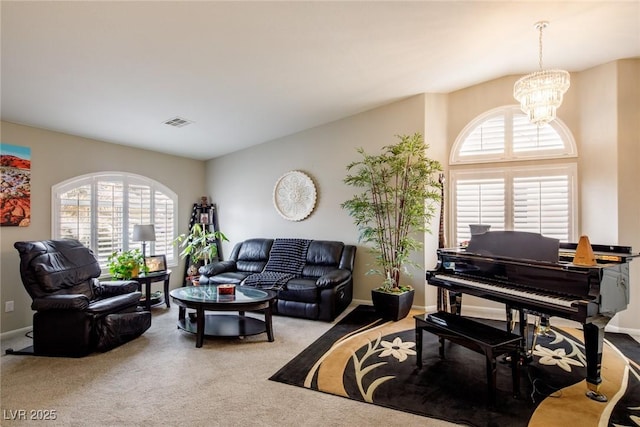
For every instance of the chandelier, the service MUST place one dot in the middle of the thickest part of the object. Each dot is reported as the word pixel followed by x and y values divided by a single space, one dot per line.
pixel 540 93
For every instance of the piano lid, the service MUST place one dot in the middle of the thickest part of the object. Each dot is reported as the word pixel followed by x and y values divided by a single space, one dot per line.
pixel 515 244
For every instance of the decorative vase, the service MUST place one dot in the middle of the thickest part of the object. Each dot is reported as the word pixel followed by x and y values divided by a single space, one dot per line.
pixel 391 306
pixel 192 271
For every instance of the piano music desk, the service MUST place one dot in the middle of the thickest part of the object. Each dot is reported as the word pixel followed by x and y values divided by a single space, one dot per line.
pixel 476 336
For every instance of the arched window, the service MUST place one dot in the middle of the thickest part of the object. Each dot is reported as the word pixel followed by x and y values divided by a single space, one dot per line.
pixel 100 210
pixel 512 175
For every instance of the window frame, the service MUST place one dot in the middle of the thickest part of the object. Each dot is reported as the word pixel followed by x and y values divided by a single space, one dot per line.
pixel 92 180
pixel 510 165
pixel 508 112
pixel 509 174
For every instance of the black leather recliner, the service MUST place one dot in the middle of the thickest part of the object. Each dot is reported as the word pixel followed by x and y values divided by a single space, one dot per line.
pixel 322 291
pixel 76 314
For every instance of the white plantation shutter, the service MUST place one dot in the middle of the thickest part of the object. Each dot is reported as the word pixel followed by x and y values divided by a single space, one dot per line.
pixel 531 138
pixel 541 205
pixel 486 138
pixel 479 201
pixel 164 220
pixel 109 219
pixel 74 215
pixel 139 211
pixel 101 209
pixel 539 197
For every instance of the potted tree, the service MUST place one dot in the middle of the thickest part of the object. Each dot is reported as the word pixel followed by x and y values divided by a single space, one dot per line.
pixel 200 245
pixel 400 190
pixel 124 265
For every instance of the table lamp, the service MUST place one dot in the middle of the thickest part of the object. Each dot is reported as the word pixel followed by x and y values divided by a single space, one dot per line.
pixel 144 233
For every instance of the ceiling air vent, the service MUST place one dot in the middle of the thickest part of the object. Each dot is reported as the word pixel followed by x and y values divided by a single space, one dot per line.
pixel 177 122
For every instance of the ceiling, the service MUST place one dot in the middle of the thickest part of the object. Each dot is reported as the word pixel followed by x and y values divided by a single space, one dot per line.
pixel 248 72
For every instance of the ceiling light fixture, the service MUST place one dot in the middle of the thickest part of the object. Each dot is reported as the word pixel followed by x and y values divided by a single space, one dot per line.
pixel 540 93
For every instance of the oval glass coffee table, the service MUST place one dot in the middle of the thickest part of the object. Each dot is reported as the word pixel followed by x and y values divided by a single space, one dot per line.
pixel 206 298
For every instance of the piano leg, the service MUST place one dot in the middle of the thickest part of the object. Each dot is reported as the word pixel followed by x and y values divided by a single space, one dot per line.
pixel 526 353
pixel 449 302
pixel 593 341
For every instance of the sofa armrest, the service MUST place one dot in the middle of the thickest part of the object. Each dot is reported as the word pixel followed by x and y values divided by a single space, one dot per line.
pixel 217 268
pixel 116 287
pixel 333 278
pixel 76 302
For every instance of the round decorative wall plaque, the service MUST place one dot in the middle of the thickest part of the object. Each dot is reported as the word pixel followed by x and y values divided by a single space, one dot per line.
pixel 294 196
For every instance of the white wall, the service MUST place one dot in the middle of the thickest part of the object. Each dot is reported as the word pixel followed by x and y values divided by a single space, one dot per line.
pixel 56 157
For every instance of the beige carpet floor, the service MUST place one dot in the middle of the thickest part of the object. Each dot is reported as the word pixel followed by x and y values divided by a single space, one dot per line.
pixel 162 379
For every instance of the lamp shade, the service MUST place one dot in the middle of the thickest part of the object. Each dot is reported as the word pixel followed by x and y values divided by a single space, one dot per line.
pixel 144 233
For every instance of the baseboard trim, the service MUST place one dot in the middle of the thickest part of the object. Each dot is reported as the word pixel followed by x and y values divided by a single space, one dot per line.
pixel 15 332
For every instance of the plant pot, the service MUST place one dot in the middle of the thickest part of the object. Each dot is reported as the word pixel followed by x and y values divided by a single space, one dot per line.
pixel 391 306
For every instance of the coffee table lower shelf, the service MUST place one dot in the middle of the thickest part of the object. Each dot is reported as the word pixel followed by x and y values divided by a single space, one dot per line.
pixel 225 325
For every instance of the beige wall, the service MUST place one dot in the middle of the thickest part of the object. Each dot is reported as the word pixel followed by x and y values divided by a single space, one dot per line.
pixel 242 183
pixel 56 157
pixel 601 109
pixel 597 89
pixel 435 131
pixel 628 131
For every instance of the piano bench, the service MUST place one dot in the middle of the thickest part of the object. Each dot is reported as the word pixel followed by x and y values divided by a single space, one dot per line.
pixel 476 336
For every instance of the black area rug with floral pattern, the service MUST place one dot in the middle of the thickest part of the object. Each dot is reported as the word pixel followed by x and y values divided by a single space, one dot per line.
pixel 368 359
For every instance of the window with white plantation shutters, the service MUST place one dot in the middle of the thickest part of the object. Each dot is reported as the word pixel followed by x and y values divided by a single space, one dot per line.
pixel 101 209
pixel 538 197
pixel 505 134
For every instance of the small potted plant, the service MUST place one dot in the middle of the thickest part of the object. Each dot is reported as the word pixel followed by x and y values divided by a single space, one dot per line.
pixel 124 265
pixel 400 190
pixel 200 245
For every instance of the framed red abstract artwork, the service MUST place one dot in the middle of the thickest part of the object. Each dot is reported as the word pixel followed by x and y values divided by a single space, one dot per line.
pixel 15 186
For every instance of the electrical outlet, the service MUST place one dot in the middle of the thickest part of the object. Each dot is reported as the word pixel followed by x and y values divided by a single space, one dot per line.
pixel 8 306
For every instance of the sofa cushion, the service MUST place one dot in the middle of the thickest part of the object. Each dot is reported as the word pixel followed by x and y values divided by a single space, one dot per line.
pixel 253 255
pixel 316 271
pixel 322 257
pixel 300 289
pixel 323 252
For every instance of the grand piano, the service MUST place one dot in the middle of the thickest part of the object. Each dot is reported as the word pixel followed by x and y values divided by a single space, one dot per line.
pixel 533 274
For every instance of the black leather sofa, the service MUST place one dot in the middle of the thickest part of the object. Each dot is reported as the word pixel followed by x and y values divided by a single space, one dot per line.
pixel 76 314
pixel 322 290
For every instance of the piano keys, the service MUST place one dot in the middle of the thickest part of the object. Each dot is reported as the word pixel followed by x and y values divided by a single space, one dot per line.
pixel 532 274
